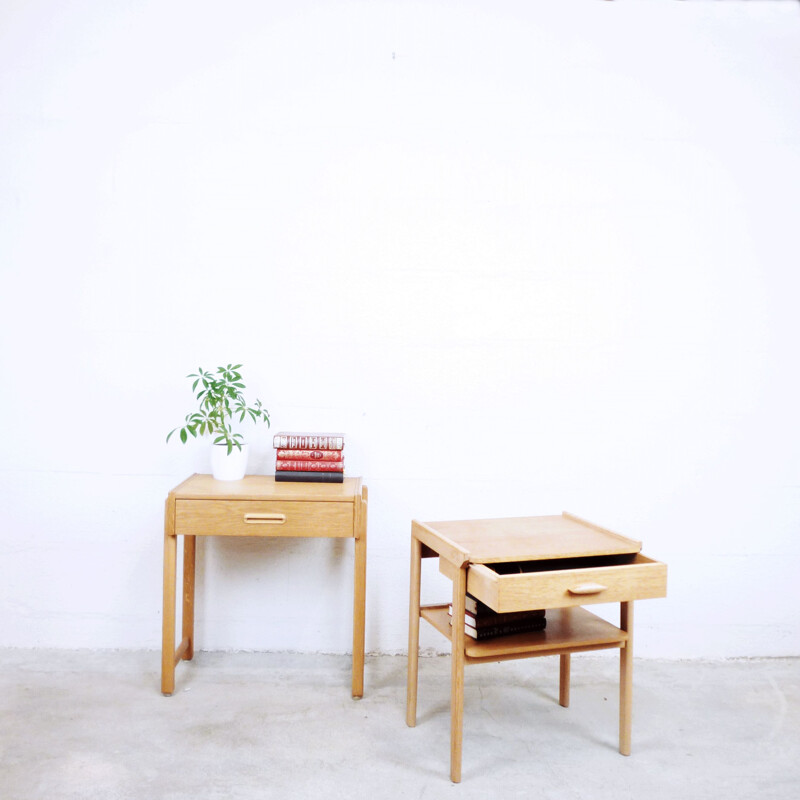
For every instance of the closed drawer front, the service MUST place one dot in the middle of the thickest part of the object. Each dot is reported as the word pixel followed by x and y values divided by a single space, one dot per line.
pixel 640 579
pixel 263 518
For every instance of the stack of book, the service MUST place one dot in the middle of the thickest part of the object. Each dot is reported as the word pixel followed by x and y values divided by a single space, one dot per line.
pixel 481 622
pixel 314 457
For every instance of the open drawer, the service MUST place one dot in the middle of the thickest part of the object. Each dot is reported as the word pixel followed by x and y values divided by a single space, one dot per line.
pixel 560 583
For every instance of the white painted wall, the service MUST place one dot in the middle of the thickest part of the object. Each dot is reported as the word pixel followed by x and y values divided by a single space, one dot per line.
pixel 528 256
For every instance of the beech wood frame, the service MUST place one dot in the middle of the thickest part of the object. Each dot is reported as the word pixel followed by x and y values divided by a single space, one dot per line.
pixel 215 508
pixel 575 630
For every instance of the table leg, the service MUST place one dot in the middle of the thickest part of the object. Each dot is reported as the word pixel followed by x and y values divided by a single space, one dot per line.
pixel 359 613
pixel 626 679
pixel 413 632
pixel 457 674
pixel 168 617
pixel 359 592
pixel 187 618
pixel 563 680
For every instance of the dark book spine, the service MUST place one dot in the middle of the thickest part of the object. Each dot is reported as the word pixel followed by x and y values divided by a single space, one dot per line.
pixel 487 617
pixel 508 628
pixel 303 476
pixel 506 619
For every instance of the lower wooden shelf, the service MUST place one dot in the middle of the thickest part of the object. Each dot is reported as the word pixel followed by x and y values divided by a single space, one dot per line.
pixel 569 630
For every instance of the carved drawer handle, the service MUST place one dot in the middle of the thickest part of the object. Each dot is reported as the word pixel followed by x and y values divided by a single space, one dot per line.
pixel 265 519
pixel 588 588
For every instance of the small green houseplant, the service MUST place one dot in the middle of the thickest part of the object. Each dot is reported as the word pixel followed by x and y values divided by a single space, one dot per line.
pixel 221 399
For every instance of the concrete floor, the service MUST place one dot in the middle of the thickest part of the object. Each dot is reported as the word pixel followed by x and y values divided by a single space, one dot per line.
pixel 240 725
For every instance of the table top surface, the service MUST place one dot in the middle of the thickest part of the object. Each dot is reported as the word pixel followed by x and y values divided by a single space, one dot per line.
pixel 265 487
pixel 529 538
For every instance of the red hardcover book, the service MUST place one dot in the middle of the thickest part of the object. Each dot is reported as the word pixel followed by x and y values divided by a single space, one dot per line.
pixel 309 466
pixel 308 455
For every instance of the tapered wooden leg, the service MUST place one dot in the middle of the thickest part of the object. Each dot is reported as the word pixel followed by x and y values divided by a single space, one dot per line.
pixel 168 617
pixel 187 619
pixel 359 593
pixel 457 675
pixel 413 632
pixel 563 680
pixel 626 679
pixel 359 613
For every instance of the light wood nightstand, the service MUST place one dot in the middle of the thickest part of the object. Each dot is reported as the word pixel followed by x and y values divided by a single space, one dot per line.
pixel 558 563
pixel 257 506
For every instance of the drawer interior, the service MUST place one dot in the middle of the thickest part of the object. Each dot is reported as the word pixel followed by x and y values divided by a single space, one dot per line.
pixel 551 564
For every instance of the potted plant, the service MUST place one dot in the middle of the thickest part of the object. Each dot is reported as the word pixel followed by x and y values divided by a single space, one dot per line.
pixel 221 399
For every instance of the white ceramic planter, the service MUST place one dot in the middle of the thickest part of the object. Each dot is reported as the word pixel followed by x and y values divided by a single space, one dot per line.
pixel 228 467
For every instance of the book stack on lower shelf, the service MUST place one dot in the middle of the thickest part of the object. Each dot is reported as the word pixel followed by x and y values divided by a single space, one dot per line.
pixel 482 622
pixel 309 457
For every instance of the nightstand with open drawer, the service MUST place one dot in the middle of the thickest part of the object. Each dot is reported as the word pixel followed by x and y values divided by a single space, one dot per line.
pixel 557 563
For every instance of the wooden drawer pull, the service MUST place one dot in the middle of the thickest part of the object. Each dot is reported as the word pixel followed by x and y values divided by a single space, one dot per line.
pixel 265 519
pixel 588 588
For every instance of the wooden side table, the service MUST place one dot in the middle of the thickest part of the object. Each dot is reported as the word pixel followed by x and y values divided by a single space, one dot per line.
pixel 558 563
pixel 257 506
